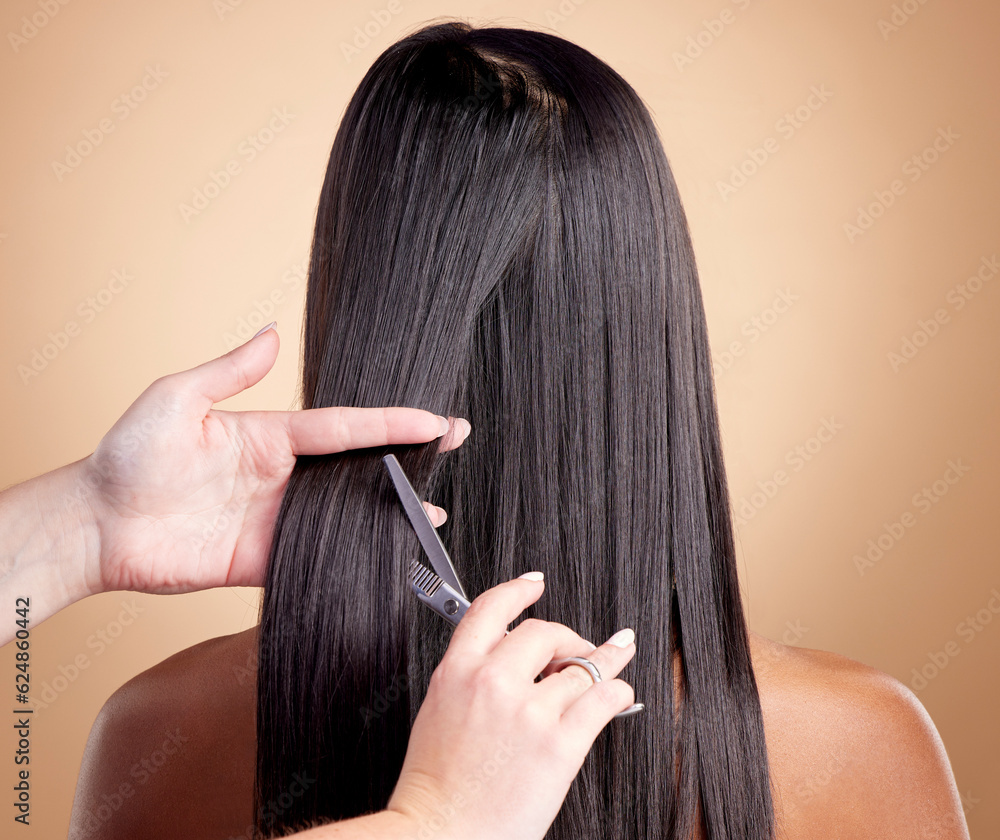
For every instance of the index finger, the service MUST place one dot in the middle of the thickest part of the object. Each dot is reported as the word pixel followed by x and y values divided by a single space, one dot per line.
pixel 320 431
pixel 485 622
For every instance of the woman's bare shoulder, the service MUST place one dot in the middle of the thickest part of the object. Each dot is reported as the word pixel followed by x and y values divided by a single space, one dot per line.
pixel 176 740
pixel 853 752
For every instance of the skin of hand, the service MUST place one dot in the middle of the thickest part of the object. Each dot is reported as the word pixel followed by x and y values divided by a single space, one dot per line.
pixel 191 504
pixel 179 496
pixel 492 753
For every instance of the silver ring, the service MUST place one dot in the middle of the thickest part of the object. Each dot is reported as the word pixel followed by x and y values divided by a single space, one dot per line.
pixel 583 663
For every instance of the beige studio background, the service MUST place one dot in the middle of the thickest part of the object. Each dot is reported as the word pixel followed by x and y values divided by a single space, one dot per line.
pixel 838 164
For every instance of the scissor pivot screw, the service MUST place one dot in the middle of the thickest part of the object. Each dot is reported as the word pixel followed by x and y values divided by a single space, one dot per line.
pixel 451 606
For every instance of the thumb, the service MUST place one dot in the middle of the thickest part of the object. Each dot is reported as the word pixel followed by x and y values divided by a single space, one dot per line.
pixel 236 371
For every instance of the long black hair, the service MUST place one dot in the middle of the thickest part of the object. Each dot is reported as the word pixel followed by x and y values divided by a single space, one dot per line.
pixel 499 237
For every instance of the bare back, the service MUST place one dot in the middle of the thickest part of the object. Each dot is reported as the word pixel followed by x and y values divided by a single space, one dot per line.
pixel 852 752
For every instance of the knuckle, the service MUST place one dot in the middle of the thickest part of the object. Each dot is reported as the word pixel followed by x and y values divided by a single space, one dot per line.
pixel 609 663
pixel 494 679
pixel 481 602
pixel 556 745
pixel 534 626
pixel 344 430
pixel 578 677
pixel 383 417
pixel 536 720
pixel 614 695
pixel 440 678
pixel 449 674
pixel 548 632
pixel 163 384
pixel 169 389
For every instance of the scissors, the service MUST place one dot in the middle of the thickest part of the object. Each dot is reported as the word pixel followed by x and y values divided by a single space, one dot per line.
pixel 440 588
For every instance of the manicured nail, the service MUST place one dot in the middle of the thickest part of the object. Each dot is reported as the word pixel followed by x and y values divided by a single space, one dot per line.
pixel 623 638
pixel 462 427
pixel 445 425
pixel 270 326
pixel 532 576
pixel 442 515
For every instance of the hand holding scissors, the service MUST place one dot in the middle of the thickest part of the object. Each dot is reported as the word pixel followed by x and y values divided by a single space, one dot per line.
pixel 493 751
pixel 439 587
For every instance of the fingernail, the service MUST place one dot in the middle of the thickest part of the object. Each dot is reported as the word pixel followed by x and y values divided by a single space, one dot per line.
pixel 442 515
pixel 623 638
pixel 270 326
pixel 462 427
pixel 531 576
pixel 445 425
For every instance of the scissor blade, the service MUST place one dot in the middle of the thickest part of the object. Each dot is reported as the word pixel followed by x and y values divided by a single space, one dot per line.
pixel 431 542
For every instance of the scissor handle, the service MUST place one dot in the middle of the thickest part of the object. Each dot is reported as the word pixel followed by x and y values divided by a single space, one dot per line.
pixel 591 669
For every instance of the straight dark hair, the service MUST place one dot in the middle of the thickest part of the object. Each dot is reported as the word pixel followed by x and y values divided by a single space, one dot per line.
pixel 499 237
